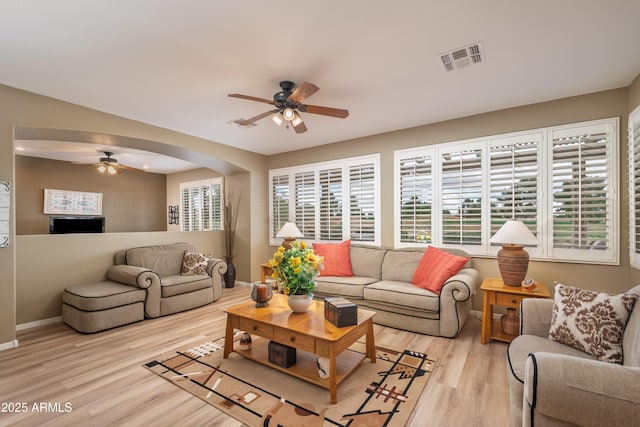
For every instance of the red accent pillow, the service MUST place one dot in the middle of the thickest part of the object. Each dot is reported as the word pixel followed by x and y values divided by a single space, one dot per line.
pixel 435 268
pixel 337 261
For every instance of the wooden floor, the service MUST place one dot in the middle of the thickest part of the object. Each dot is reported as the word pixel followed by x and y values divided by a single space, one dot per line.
pixel 99 379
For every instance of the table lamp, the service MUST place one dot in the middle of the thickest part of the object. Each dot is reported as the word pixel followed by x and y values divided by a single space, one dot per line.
pixel 513 260
pixel 289 232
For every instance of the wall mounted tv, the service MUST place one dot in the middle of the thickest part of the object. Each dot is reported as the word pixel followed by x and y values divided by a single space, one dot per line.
pixel 76 224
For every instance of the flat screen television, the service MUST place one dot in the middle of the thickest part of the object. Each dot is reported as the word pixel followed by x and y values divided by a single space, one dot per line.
pixel 76 224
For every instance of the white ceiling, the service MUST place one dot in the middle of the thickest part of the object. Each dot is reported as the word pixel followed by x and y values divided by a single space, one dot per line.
pixel 172 64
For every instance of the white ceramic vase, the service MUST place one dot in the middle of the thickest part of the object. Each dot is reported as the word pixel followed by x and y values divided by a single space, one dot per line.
pixel 299 303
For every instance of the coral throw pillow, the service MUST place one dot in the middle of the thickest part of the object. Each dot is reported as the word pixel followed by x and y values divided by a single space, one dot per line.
pixel 195 264
pixel 590 321
pixel 435 268
pixel 337 261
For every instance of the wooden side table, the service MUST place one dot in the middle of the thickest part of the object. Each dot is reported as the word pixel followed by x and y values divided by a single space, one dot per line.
pixel 497 293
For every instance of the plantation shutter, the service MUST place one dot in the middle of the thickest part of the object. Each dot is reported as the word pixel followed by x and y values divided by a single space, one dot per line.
pixel 582 179
pixel 279 202
pixel 186 209
pixel 634 187
pixel 215 207
pixel 462 196
pixel 416 197
pixel 330 211
pixel 201 205
pixel 363 202
pixel 305 203
pixel 515 174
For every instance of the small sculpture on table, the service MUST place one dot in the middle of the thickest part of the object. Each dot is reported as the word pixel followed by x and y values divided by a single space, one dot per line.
pixel 261 294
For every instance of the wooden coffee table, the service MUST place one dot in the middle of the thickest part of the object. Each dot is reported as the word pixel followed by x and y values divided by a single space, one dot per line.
pixel 308 331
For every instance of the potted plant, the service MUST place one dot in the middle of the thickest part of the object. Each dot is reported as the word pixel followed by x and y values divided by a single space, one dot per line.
pixel 230 222
pixel 296 269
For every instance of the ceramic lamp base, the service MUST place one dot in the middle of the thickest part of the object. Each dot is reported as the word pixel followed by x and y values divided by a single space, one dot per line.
pixel 513 262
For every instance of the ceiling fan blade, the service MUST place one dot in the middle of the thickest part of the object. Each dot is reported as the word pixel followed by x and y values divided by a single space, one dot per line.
pixel 251 98
pixel 302 92
pixel 300 127
pixel 326 111
pixel 129 168
pixel 247 122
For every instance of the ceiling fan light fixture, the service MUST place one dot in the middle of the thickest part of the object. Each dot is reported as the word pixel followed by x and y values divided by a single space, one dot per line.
pixel 296 119
pixel 288 114
pixel 277 118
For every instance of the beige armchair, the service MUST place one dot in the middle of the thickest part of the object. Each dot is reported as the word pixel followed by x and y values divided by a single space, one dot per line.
pixel 157 269
pixel 552 384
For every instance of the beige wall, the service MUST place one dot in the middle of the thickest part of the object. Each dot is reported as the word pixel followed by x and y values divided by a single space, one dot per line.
pixel 131 201
pixel 49 118
pixel 606 104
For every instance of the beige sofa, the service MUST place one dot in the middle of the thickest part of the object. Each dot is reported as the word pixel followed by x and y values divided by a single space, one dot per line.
pixel 552 384
pixel 382 282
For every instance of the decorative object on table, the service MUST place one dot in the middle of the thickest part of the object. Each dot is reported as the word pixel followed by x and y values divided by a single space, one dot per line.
pixel 245 341
pixel 5 199
pixel 529 284
pixel 281 355
pixel 174 215
pixel 296 268
pixel 261 293
pixel 513 260
pixel 289 232
pixel 340 311
pixel 323 367
pixel 230 220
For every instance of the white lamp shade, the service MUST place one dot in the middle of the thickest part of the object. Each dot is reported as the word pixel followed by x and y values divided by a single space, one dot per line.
pixel 514 232
pixel 289 229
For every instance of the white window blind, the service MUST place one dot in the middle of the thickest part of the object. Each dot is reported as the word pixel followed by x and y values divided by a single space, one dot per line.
pixel 461 196
pixel 201 205
pixel 515 174
pixel 634 187
pixel 279 202
pixel 416 198
pixel 363 202
pixel 328 201
pixel 330 212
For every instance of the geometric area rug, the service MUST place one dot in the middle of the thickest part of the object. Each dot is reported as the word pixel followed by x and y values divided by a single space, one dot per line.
pixel 380 394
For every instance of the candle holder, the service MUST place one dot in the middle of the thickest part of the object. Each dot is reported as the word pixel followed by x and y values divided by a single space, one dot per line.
pixel 261 294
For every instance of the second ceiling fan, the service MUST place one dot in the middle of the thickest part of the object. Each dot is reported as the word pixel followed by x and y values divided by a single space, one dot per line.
pixel 289 105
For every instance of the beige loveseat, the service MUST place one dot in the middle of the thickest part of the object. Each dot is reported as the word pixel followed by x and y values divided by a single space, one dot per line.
pixel 381 281
pixel 158 270
pixel 552 384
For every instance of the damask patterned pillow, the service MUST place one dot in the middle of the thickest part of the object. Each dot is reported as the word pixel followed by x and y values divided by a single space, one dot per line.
pixel 195 264
pixel 590 321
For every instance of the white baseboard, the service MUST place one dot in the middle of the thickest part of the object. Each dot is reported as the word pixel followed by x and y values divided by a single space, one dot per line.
pixel 37 323
pixel 8 345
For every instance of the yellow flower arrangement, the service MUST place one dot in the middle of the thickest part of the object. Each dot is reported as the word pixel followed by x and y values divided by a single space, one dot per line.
pixel 296 268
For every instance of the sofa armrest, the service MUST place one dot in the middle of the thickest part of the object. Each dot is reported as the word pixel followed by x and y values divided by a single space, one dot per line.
pixel 579 391
pixel 142 278
pixel 216 268
pixel 535 316
pixel 455 301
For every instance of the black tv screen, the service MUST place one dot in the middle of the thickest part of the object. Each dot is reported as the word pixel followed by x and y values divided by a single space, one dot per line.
pixel 76 224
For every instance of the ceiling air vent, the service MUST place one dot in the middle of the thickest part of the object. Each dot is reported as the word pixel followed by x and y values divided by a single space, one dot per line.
pixel 462 57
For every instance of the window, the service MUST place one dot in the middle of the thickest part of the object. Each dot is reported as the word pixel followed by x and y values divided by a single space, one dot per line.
pixel 329 201
pixel 201 205
pixel 559 181
pixel 634 187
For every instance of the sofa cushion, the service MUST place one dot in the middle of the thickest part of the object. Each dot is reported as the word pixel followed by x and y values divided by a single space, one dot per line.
pixel 399 265
pixel 631 338
pixel 402 294
pixel 350 287
pixel 195 263
pixel 523 345
pixel 366 261
pixel 337 261
pixel 435 267
pixel 101 295
pixel 166 260
pixel 590 321
pixel 178 284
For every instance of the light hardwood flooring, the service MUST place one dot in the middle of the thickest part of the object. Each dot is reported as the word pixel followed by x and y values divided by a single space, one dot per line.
pixel 101 379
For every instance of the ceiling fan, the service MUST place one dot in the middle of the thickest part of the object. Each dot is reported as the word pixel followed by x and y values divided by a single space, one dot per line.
pixel 289 105
pixel 109 166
